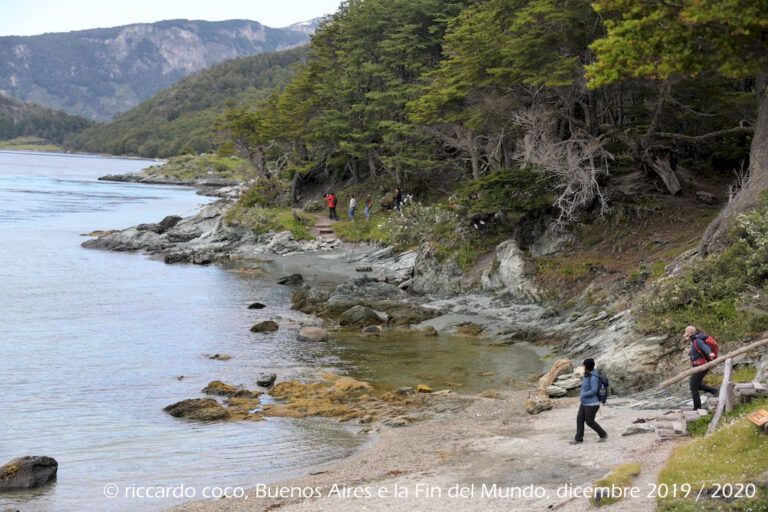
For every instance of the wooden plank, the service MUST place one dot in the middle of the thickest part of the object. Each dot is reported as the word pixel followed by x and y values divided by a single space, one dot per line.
pixel 710 364
pixel 723 398
pixel 759 417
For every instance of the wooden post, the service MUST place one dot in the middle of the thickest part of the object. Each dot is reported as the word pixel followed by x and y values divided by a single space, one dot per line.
pixel 723 398
pixel 710 364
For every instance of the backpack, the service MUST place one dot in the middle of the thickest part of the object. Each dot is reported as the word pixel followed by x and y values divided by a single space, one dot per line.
pixel 602 387
pixel 712 344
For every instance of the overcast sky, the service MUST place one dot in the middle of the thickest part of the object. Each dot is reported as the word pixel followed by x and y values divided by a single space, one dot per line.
pixel 29 17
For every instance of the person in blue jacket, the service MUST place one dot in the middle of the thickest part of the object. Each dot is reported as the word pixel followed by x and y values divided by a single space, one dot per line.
pixel 700 353
pixel 590 403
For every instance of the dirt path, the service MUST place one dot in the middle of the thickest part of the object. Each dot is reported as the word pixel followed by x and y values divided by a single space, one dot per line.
pixel 490 441
pixel 323 228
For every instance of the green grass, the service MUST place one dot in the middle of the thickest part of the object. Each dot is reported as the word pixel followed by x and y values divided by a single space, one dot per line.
pixel 736 453
pixel 725 294
pixel 207 165
pixel 362 230
pixel 620 477
pixel 29 143
pixel 261 220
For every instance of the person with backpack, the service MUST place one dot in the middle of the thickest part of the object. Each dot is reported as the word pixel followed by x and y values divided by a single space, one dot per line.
pixel 703 349
pixel 594 391
pixel 352 207
pixel 398 200
pixel 332 206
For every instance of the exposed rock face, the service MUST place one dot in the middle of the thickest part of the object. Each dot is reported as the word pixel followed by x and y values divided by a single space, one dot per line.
pixel 437 278
pixel 265 326
pixel 316 334
pixel 552 241
pixel 508 274
pixel 27 472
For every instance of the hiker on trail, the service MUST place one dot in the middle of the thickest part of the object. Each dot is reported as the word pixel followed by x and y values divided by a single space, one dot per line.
pixel 590 403
pixel 368 207
pixel 331 198
pixel 701 352
pixel 398 199
pixel 352 206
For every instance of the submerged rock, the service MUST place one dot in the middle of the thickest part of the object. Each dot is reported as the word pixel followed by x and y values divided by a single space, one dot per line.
pixel 256 305
pixel 291 279
pixel 316 334
pixel 203 409
pixel 265 326
pixel 218 357
pixel 27 472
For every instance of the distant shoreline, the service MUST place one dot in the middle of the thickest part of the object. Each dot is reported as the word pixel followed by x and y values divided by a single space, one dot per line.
pixel 63 152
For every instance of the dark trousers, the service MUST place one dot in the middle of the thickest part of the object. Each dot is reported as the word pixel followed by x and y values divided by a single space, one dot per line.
pixel 587 415
pixel 332 212
pixel 697 384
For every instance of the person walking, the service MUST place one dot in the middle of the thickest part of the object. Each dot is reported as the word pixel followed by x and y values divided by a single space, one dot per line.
pixel 590 403
pixel 352 207
pixel 700 353
pixel 398 200
pixel 332 206
pixel 368 207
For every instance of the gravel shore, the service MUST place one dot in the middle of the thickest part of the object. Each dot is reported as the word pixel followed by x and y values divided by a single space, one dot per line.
pixel 452 461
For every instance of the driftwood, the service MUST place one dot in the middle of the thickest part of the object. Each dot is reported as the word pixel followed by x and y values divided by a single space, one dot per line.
pixel 724 398
pixel 660 162
pixel 710 364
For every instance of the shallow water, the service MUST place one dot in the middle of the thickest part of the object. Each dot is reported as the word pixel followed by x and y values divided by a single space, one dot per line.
pixel 93 343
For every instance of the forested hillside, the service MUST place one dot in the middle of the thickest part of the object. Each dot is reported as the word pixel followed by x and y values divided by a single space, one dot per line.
pixel 180 118
pixel 19 119
pixel 613 128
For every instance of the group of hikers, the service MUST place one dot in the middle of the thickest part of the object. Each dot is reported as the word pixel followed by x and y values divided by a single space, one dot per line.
pixel 594 387
pixel 331 200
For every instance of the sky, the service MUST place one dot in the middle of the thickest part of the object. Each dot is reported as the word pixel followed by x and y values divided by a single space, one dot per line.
pixel 30 17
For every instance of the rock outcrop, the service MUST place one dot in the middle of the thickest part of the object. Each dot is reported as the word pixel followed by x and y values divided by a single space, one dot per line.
pixel 27 472
pixel 507 274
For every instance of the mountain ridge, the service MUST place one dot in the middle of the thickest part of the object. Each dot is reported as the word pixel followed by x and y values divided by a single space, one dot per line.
pixel 100 72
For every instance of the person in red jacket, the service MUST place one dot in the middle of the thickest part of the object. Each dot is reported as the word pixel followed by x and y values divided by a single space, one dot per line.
pixel 331 199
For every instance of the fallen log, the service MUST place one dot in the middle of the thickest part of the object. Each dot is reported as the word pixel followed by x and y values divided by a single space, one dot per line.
pixel 710 364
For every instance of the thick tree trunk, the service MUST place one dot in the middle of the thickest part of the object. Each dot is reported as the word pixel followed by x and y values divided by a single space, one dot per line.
pixel 372 164
pixel 294 187
pixel 474 156
pixel 352 166
pixel 757 182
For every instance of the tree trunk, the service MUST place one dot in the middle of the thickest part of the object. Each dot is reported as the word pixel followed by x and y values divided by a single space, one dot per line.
pixel 352 166
pixel 474 156
pixel 372 164
pixel 399 175
pixel 748 196
pixel 294 186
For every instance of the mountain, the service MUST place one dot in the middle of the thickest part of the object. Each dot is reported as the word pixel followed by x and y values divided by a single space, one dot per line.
pixel 99 72
pixel 182 115
pixel 19 119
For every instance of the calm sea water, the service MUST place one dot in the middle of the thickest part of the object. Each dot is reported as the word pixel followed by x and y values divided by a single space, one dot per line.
pixel 92 345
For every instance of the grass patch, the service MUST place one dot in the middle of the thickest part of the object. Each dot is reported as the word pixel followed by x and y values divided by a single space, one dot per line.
pixel 735 453
pixel 621 477
pixel 206 165
pixel 726 294
pixel 261 220
pixel 740 374
pixel 699 427
pixel 29 143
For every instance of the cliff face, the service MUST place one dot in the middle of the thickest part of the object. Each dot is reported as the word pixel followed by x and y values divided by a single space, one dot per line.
pixel 98 73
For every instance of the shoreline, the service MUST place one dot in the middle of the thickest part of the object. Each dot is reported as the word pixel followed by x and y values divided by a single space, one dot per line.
pixel 487 441
pixel 64 152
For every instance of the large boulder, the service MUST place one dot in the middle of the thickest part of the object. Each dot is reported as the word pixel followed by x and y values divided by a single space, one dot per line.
pixel 266 380
pixel 309 300
pixel 27 472
pixel 203 409
pixel 360 316
pixel 265 326
pixel 316 334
